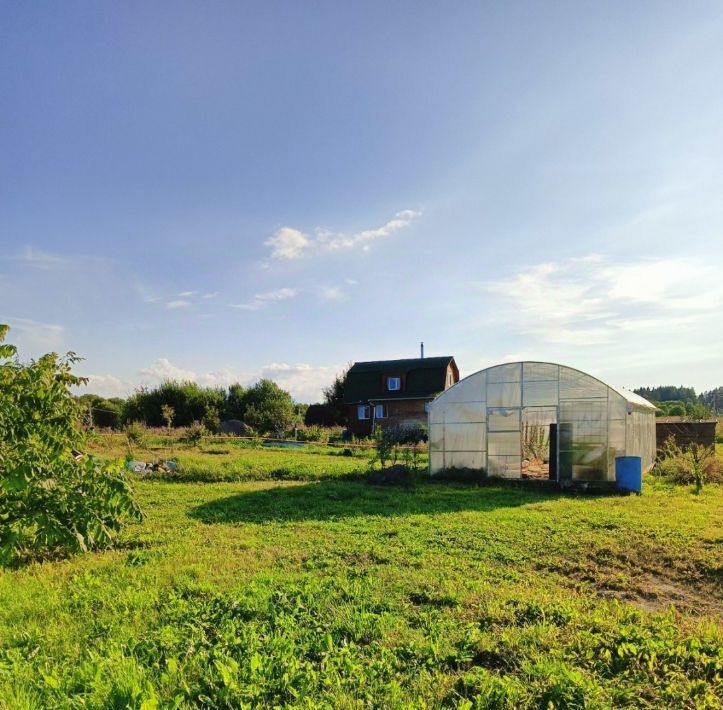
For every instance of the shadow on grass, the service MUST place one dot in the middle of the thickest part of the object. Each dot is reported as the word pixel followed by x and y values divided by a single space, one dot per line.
pixel 329 500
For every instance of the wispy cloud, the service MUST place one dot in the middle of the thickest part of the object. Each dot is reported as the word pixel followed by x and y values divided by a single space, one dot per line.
pixel 34 335
pixel 35 258
pixel 291 243
pixel 594 300
pixel 184 299
pixel 332 294
pixel 261 300
pixel 41 259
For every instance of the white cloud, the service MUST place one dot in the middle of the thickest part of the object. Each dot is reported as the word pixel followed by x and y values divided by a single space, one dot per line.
pixel 184 299
pixel 594 300
pixel 43 260
pixel 163 369
pixel 290 243
pixel 33 335
pixel 107 386
pixel 261 300
pixel 332 294
pixel 302 380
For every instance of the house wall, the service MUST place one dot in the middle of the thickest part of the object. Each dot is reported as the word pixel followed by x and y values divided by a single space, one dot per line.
pixel 355 425
pixel 454 372
pixel 406 411
pixel 401 411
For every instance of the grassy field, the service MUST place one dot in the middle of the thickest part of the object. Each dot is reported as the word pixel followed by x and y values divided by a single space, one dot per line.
pixel 231 460
pixel 333 593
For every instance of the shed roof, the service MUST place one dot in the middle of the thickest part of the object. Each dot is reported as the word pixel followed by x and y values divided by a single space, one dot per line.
pixel 425 377
pixel 633 398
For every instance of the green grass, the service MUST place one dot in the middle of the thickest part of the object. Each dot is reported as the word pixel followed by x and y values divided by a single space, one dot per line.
pixel 332 593
pixel 243 460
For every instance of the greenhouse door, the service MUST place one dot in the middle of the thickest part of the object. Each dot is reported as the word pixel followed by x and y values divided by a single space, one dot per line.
pixel 539 443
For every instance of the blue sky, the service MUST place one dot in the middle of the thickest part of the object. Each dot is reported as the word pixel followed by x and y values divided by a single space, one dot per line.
pixel 223 191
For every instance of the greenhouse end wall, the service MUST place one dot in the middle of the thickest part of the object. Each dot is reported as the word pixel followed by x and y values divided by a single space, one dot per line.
pixel 538 420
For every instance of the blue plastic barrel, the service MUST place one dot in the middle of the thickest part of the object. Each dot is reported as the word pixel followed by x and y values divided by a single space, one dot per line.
pixel 629 473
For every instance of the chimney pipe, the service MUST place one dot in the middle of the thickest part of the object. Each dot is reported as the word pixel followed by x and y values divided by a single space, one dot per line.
pixel 421 347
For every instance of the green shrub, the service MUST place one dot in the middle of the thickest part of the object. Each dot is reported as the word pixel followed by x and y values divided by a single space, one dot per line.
pixel 100 412
pixel 268 408
pixel 168 413
pixel 399 441
pixel 52 495
pixel 695 464
pixel 194 434
pixel 211 419
pixel 190 402
pixel 135 435
pixel 317 433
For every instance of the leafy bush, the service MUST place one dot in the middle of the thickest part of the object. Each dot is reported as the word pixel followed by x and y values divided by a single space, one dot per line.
pixel 694 464
pixel 190 403
pixel 194 434
pixel 211 419
pixel 234 405
pixel 135 435
pixel 51 494
pixel 101 412
pixel 399 441
pixel 265 406
pixel 320 434
pixel 268 408
pixel 168 413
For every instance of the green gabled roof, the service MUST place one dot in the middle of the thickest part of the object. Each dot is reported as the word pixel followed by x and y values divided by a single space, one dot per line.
pixel 425 377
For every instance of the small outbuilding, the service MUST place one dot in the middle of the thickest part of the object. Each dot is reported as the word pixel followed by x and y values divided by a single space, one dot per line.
pixel 539 420
pixel 685 431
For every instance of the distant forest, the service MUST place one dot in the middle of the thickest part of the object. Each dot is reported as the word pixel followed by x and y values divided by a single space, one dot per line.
pixel 684 401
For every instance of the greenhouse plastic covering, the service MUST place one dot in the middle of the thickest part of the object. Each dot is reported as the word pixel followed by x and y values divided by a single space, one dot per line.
pixel 502 419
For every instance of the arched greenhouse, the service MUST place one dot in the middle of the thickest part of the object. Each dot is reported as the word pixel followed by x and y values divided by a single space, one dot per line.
pixel 539 420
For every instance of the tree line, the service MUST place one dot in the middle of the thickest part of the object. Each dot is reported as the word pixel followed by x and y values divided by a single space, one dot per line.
pixel 265 407
pixel 673 400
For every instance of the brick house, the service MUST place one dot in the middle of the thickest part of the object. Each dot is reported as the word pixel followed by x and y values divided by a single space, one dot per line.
pixel 386 392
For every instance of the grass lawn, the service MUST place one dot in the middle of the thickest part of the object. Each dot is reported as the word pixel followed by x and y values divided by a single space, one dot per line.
pixel 239 460
pixel 333 593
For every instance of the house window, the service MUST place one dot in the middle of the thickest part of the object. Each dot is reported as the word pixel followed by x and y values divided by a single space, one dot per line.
pixel 380 411
pixel 450 379
pixel 362 411
pixel 394 383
